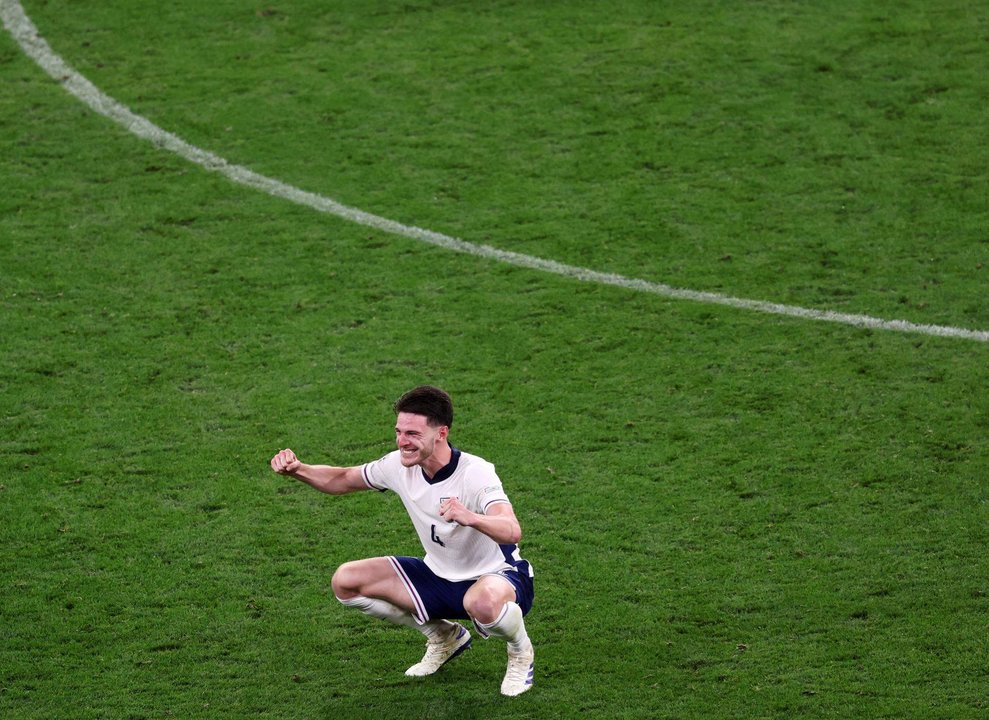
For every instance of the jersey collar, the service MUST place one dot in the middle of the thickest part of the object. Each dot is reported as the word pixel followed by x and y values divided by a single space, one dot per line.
pixel 446 471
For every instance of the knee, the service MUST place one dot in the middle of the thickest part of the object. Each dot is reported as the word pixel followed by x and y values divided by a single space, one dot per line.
pixel 484 604
pixel 346 581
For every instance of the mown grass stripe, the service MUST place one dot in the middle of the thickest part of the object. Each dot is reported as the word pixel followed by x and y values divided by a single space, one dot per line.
pixel 24 32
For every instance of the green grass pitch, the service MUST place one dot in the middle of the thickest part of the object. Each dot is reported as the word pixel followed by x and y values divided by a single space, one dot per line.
pixel 731 514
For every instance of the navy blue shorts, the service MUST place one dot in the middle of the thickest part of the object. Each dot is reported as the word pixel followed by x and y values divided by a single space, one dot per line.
pixel 436 598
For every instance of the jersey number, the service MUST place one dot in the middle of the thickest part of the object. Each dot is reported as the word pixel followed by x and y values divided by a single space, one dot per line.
pixel 432 534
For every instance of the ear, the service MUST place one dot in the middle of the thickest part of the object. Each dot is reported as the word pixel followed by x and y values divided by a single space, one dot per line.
pixel 443 432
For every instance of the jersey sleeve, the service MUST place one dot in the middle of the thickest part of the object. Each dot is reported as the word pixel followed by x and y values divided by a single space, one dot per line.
pixel 486 488
pixel 378 474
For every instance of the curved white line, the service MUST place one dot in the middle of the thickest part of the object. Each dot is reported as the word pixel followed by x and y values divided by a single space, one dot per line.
pixel 20 27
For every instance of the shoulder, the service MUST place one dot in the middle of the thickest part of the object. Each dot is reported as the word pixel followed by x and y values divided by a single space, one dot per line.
pixel 387 460
pixel 381 473
pixel 475 467
pixel 475 462
pixel 484 484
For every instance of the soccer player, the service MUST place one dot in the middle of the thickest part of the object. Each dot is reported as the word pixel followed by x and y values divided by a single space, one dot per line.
pixel 472 568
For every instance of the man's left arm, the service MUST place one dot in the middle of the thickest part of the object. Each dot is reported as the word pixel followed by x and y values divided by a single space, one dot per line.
pixel 498 523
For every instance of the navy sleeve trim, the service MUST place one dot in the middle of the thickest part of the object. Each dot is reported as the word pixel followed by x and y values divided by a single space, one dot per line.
pixel 367 480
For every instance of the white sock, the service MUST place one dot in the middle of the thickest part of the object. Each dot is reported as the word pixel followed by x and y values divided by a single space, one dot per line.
pixel 434 630
pixel 509 627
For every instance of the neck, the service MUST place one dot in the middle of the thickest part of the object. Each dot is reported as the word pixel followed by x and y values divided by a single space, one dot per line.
pixel 438 460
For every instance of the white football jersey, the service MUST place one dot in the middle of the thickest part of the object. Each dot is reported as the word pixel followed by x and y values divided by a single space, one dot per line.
pixel 453 551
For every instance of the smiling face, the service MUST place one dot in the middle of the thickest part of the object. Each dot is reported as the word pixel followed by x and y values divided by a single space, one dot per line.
pixel 421 444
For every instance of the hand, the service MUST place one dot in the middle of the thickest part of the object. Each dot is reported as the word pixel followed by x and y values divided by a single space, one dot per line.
pixel 452 510
pixel 285 462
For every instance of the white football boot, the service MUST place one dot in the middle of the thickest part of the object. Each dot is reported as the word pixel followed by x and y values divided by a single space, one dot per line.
pixel 442 652
pixel 518 677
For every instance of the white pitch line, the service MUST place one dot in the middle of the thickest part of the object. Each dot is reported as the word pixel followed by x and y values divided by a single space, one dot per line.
pixel 20 27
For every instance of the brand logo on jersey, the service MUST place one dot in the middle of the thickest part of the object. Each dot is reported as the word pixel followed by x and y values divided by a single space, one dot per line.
pixel 433 536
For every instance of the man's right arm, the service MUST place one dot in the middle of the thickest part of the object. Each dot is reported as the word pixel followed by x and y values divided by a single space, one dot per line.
pixel 325 478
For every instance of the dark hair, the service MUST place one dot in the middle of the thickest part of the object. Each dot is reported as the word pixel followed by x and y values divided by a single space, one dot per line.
pixel 430 401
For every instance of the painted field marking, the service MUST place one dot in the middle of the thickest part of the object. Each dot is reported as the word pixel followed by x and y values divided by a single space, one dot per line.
pixel 20 27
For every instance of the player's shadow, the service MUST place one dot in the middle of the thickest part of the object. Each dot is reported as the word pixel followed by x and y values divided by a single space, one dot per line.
pixel 466 689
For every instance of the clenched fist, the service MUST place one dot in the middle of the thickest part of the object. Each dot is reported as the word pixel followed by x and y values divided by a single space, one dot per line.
pixel 285 462
pixel 452 510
